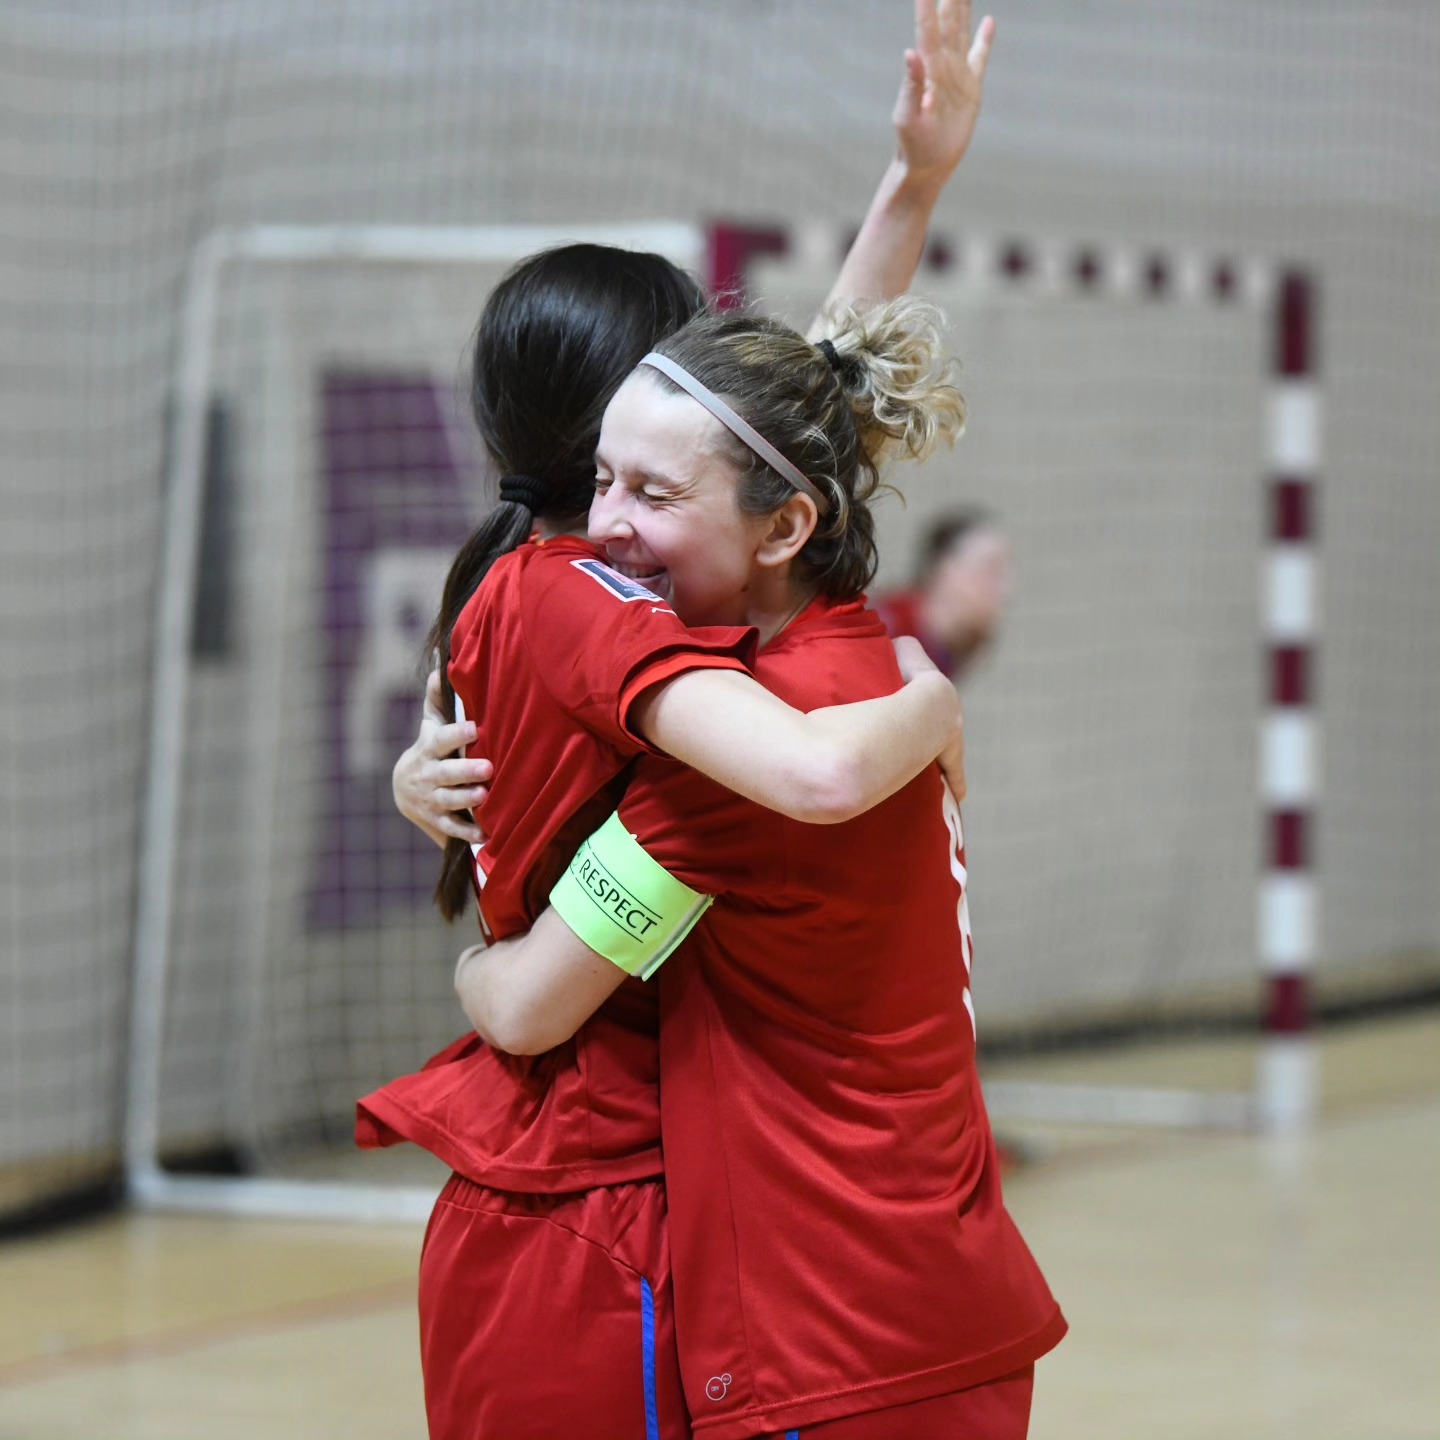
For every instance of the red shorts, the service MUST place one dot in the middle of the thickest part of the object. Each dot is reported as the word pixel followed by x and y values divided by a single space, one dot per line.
pixel 544 1316
pixel 997 1410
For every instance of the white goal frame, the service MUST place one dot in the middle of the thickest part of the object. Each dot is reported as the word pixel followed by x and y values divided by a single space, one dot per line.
pixel 1283 1096
pixel 148 1184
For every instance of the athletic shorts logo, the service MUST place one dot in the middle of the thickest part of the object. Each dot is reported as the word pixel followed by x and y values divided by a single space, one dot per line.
pixel 717 1386
pixel 617 584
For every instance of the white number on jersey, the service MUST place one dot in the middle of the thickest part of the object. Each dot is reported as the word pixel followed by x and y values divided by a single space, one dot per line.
pixel 962 907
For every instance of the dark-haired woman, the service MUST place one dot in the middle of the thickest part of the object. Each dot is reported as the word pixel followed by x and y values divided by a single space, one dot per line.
pixel 844 1265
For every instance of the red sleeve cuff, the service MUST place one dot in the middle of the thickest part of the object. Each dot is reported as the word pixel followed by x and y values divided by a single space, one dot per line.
pixel 735 652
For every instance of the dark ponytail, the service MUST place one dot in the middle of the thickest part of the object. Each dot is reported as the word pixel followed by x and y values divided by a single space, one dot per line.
pixel 505 528
pixel 556 338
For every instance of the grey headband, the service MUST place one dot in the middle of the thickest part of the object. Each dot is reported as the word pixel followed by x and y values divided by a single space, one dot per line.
pixel 741 428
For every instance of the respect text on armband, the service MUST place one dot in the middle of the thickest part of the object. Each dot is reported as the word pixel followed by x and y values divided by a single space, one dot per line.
pixel 612 897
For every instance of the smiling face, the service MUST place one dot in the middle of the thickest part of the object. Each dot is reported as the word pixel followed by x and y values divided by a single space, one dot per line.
pixel 665 505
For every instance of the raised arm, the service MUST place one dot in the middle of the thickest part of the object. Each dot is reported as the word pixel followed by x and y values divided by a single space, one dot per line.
pixel 935 117
pixel 823 767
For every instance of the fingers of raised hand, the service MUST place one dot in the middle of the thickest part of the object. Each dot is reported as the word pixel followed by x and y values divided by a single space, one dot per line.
pixel 454 798
pixel 912 90
pixel 455 786
pixel 434 696
pixel 450 773
pixel 979 55
pixel 953 24
pixel 927 27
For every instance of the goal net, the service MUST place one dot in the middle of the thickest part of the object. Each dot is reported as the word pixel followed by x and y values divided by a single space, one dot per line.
pixel 1117 827
pixel 323 471
pixel 1119 437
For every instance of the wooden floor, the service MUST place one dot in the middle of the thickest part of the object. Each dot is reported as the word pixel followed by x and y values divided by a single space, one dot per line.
pixel 1218 1287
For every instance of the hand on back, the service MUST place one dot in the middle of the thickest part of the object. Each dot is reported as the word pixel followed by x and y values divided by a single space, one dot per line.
pixel 433 786
pixel 913 661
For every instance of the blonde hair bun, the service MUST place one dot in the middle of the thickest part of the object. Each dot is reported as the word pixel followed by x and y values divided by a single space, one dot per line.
pixel 896 375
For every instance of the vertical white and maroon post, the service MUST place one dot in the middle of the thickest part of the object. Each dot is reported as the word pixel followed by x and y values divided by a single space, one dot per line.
pixel 1288 1079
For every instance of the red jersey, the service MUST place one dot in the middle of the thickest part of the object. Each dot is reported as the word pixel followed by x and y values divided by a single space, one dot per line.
pixel 838 1236
pixel 548 658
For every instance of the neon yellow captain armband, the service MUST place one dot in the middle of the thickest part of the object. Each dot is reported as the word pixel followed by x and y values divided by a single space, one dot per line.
pixel 623 904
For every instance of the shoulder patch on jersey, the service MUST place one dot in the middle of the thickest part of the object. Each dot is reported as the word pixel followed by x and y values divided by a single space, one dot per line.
pixel 621 586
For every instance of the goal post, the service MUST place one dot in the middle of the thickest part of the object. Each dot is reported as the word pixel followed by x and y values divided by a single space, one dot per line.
pixel 1190 312
pixel 1126 403
pixel 397 306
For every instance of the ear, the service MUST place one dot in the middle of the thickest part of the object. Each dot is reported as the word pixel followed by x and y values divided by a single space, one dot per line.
pixel 788 530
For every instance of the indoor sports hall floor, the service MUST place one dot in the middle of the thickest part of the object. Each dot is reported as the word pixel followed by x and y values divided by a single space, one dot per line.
pixel 1218 1288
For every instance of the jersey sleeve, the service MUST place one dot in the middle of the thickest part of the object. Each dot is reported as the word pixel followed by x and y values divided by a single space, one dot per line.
pixel 704 835
pixel 599 641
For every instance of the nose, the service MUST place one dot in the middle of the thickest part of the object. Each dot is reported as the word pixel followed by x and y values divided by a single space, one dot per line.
pixel 608 516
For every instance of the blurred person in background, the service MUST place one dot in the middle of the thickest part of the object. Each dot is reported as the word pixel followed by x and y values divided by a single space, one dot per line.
pixel 963 577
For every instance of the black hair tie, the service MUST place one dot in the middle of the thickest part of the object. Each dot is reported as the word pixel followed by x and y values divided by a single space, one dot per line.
pixel 524 490
pixel 846 367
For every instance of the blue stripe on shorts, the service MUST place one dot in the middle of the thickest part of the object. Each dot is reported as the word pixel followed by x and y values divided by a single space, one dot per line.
pixel 647 1340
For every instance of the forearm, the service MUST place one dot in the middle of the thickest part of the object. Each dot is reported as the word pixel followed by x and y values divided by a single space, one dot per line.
pixel 530 993
pixel 935 116
pixel 887 250
pixel 823 767
pixel 882 744
pixel 481 986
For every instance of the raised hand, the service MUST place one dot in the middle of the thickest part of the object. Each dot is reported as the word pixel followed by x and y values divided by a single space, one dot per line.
pixel 939 101
pixel 934 119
